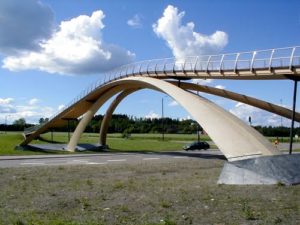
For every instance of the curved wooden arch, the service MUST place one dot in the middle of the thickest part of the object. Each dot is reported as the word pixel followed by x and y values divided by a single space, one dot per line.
pixel 206 89
pixel 233 137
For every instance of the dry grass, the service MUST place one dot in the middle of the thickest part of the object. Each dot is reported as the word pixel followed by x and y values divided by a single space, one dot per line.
pixel 182 191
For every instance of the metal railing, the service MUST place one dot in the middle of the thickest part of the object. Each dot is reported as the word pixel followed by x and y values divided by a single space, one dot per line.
pixel 263 59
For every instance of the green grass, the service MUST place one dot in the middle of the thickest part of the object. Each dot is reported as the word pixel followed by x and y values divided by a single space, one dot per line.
pixel 136 142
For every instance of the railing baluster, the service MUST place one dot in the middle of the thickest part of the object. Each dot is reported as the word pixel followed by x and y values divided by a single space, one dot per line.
pixel 252 61
pixel 291 59
pixel 221 64
pixel 236 62
pixel 208 61
pixel 271 59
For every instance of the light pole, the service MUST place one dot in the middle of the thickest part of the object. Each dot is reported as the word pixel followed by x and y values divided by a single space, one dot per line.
pixel 293 116
pixel 198 132
pixel 281 124
pixel 5 131
pixel 162 119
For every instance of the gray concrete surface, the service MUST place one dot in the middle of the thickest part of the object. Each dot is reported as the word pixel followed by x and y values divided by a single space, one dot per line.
pixel 103 158
pixel 283 169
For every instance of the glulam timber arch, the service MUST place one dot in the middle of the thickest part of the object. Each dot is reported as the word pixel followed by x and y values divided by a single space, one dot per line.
pixel 204 89
pixel 235 139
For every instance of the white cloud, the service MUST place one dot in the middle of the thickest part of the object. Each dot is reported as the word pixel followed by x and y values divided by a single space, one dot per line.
pixel 6 105
pixel 173 103
pixel 202 81
pixel 258 116
pixel 152 115
pixel 31 112
pixel 183 40
pixel 220 86
pixel 60 107
pixel 33 101
pixel 188 117
pixel 4 101
pixel 23 24
pixel 77 47
pixel 135 21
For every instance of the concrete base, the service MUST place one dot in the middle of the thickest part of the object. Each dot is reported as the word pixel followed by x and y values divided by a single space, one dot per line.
pixel 280 169
pixel 62 147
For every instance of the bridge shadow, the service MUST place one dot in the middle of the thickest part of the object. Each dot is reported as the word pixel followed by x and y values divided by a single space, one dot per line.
pixel 199 154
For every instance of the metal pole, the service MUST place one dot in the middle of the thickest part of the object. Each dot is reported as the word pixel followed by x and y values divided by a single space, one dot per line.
pixel 293 116
pixel 5 125
pixel 52 135
pixel 68 130
pixel 162 118
pixel 198 130
pixel 281 122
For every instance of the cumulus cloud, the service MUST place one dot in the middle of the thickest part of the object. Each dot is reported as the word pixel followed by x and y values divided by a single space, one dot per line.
pixel 173 103
pixel 258 116
pixel 33 101
pixel 152 115
pixel 220 86
pixel 60 107
pixel 10 110
pixel 183 40
pixel 23 24
pixel 77 47
pixel 6 105
pixel 135 21
pixel 202 81
pixel 4 101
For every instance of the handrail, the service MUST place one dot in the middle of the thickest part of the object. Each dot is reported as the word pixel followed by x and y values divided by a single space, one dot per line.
pixel 251 60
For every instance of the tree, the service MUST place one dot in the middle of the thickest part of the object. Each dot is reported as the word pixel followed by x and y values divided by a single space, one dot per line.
pixel 19 124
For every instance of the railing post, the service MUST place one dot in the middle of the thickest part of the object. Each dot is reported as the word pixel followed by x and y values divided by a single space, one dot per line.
pixel 291 59
pixel 236 62
pixel 196 64
pixel 252 61
pixel 140 72
pixel 164 68
pixel 148 67
pixel 221 63
pixel 155 69
pixel 207 65
pixel 271 59
pixel 183 66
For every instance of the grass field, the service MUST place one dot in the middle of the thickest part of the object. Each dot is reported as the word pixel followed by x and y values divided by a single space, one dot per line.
pixel 136 142
pixel 146 193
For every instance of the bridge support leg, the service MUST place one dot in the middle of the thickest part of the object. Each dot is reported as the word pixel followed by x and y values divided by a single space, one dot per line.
pixel 88 117
pixel 109 112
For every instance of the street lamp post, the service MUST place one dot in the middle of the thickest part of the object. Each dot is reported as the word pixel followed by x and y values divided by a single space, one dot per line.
pixel 162 119
pixel 5 131
pixel 198 132
pixel 281 124
pixel 293 116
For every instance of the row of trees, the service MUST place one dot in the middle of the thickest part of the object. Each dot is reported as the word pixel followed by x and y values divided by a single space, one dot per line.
pixel 124 124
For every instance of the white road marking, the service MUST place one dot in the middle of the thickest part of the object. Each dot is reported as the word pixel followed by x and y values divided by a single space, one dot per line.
pixel 116 160
pixel 33 163
pixel 180 157
pixel 95 163
pixel 150 158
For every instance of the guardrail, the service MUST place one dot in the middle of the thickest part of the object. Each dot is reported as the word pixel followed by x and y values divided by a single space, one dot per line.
pixel 263 59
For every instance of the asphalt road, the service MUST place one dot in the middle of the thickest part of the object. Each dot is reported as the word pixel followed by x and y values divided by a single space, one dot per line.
pixel 102 158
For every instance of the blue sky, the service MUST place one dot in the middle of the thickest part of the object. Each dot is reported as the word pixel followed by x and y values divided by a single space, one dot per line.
pixel 51 50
